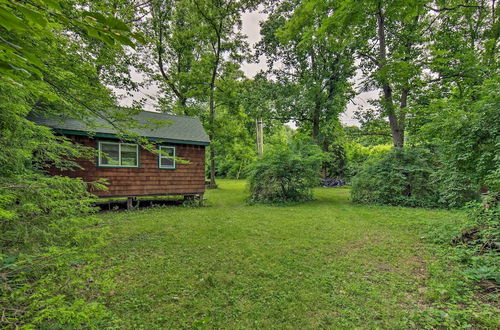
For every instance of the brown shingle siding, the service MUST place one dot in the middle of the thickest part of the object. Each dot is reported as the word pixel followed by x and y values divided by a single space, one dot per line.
pixel 148 179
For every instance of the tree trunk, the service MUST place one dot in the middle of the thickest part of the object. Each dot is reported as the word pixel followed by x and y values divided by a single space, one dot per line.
pixel 402 107
pixel 212 108
pixel 211 135
pixel 316 121
pixel 159 49
pixel 387 102
pixel 317 106
pixel 260 136
pixel 212 167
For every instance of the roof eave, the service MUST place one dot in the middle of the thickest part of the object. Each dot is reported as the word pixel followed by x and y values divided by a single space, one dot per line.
pixel 115 136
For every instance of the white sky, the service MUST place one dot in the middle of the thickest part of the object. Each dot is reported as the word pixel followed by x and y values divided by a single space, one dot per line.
pixel 251 29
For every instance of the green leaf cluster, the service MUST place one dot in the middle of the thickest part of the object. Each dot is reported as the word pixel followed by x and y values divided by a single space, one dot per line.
pixel 45 19
pixel 47 239
pixel 52 64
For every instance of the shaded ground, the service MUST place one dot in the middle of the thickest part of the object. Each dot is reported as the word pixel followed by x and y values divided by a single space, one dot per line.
pixel 325 263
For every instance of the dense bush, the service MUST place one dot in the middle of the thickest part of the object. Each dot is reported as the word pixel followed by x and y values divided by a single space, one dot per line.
pixel 286 174
pixel 467 140
pixel 358 156
pixel 36 211
pixel 47 239
pixel 402 178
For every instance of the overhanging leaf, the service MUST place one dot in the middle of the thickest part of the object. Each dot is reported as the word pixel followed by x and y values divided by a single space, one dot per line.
pixel 10 21
pixel 32 16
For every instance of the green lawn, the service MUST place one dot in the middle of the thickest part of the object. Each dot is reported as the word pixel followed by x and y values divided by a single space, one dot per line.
pixel 326 263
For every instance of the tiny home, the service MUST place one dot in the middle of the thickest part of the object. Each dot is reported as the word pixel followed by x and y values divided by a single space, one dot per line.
pixel 133 171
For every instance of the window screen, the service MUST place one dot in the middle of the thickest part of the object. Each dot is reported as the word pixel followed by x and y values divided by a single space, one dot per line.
pixel 115 154
pixel 167 157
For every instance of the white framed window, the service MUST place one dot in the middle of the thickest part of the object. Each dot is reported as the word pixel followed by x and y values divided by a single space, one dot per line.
pixel 117 154
pixel 166 159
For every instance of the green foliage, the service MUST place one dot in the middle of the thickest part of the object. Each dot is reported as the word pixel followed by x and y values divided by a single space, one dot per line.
pixel 465 267
pixel 465 159
pixel 332 142
pixel 433 61
pixel 371 133
pixel 55 60
pixel 32 294
pixel 42 18
pixel 37 211
pixel 235 144
pixel 286 174
pixel 412 51
pixel 402 177
pixel 47 239
pixel 194 52
pixel 358 156
pixel 308 79
pixel 480 237
pixel 467 147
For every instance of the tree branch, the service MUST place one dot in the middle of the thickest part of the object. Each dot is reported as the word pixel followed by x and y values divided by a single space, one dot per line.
pixel 371 133
pixel 159 49
pixel 438 10
pixel 373 59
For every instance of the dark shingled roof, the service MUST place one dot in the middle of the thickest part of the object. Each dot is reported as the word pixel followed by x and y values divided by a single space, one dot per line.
pixel 181 129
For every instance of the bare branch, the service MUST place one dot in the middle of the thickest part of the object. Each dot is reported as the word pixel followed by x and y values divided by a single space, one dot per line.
pixel 373 59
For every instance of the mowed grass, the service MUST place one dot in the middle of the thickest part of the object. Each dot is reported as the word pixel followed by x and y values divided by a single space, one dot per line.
pixel 325 263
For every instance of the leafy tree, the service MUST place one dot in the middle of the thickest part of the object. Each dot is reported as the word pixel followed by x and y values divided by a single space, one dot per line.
pixel 386 35
pixel 61 80
pixel 197 45
pixel 406 48
pixel 466 145
pixel 43 19
pixel 359 156
pixel 171 56
pixel 48 65
pixel 236 145
pixel 241 103
pixel 367 135
pixel 310 75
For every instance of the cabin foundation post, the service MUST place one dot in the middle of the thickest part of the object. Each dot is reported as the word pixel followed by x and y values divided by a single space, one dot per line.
pixel 130 203
pixel 196 199
pixel 188 198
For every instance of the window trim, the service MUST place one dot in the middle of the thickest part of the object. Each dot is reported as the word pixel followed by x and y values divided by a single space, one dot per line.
pixel 99 164
pixel 160 157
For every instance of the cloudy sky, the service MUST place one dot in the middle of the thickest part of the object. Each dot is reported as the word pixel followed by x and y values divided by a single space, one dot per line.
pixel 251 29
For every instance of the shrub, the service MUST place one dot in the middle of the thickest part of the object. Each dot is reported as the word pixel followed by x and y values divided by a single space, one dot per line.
pixel 47 240
pixel 286 174
pixel 358 156
pixel 467 140
pixel 455 188
pixel 37 211
pixel 402 178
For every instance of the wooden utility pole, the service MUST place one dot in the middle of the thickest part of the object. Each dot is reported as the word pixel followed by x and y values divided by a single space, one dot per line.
pixel 260 136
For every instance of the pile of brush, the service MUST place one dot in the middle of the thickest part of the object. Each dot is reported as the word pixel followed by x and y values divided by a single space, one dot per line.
pixel 332 182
